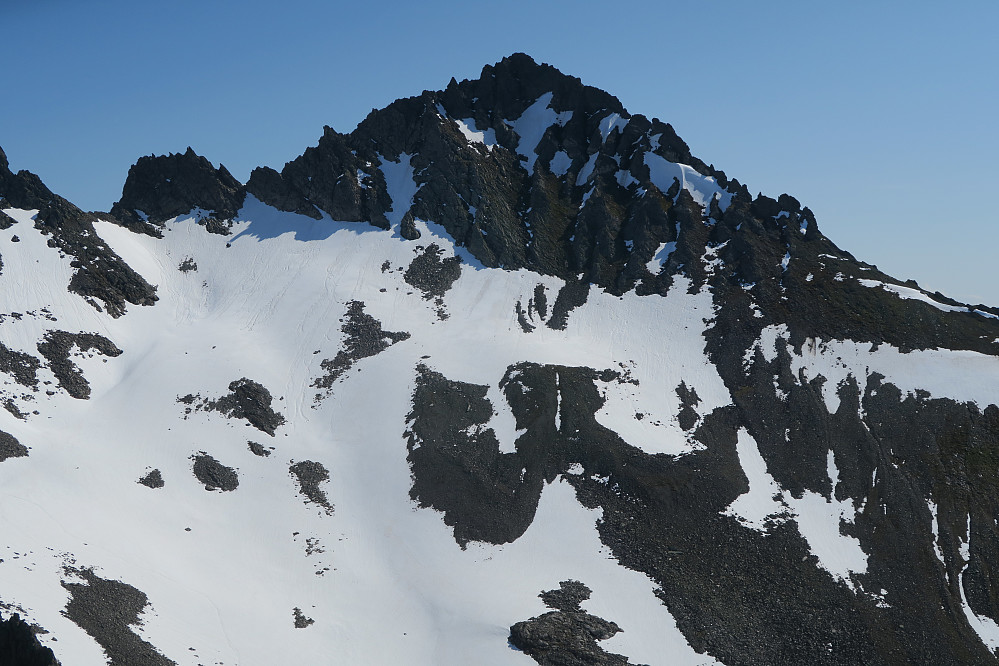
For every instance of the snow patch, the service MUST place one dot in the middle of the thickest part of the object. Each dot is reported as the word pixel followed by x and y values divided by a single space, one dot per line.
pixel 660 258
pixel 819 519
pixel 964 376
pixel 472 134
pixel 400 182
pixel 912 294
pixel 560 163
pixel 587 170
pixel 532 125
pixel 702 188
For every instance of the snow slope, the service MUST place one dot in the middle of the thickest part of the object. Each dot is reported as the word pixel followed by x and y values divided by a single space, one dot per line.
pixel 223 571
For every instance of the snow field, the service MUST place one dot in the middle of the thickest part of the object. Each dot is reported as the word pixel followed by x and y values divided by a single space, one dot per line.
pixel 398 589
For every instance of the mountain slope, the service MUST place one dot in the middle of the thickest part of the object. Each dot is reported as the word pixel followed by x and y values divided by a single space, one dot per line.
pixel 503 340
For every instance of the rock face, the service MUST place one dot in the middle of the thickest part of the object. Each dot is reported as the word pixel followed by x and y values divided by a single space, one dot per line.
pixel 57 347
pixel 108 610
pixel 214 474
pixel 20 647
pixel 10 447
pixel 739 402
pixel 100 274
pixel 363 338
pixel 153 479
pixel 567 636
pixel 310 475
pixel 246 399
pixel 159 188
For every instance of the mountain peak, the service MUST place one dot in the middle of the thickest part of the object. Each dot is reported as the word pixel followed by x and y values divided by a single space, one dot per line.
pixel 507 315
pixel 159 188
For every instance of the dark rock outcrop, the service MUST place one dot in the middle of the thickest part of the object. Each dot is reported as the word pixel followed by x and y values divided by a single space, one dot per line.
pixel 19 645
pixel 246 399
pixel 10 447
pixel 300 620
pixel 57 347
pixel 100 273
pixel 432 275
pixel 152 479
pixel 160 188
pixel 363 338
pixel 258 449
pixel 107 610
pixel 21 367
pixel 567 636
pixel 214 474
pixel 310 475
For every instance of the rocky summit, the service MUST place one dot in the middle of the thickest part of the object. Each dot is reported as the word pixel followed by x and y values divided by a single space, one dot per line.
pixel 534 385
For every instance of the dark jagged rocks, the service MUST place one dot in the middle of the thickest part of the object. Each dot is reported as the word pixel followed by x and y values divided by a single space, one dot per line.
pixel 152 479
pixel 583 205
pixel 56 348
pixel 687 417
pixel 160 188
pixel 458 468
pixel 334 177
pixel 258 449
pixel 432 275
pixel 572 295
pixel 19 645
pixel 310 475
pixel 300 620
pixel 246 399
pixel 10 447
pixel 107 610
pixel 603 220
pixel 213 474
pixel 23 368
pixel 363 338
pixel 100 273
pixel 506 205
pixel 663 516
pixel 567 636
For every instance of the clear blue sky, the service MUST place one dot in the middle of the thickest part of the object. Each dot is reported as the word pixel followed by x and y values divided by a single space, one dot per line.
pixel 879 116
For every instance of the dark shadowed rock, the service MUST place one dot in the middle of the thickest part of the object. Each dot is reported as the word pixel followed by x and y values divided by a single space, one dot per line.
pixel 10 447
pixel 160 188
pixel 20 366
pixel 568 636
pixel 56 348
pixel 153 479
pixel 301 621
pixel 214 474
pixel 310 475
pixel 687 417
pixel 20 647
pixel 571 296
pixel 407 227
pixel 100 273
pixel 258 449
pixel 246 399
pixel 432 275
pixel 363 338
pixel 568 597
pixel 107 610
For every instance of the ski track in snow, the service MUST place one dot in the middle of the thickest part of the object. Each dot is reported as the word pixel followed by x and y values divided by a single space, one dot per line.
pixel 394 586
